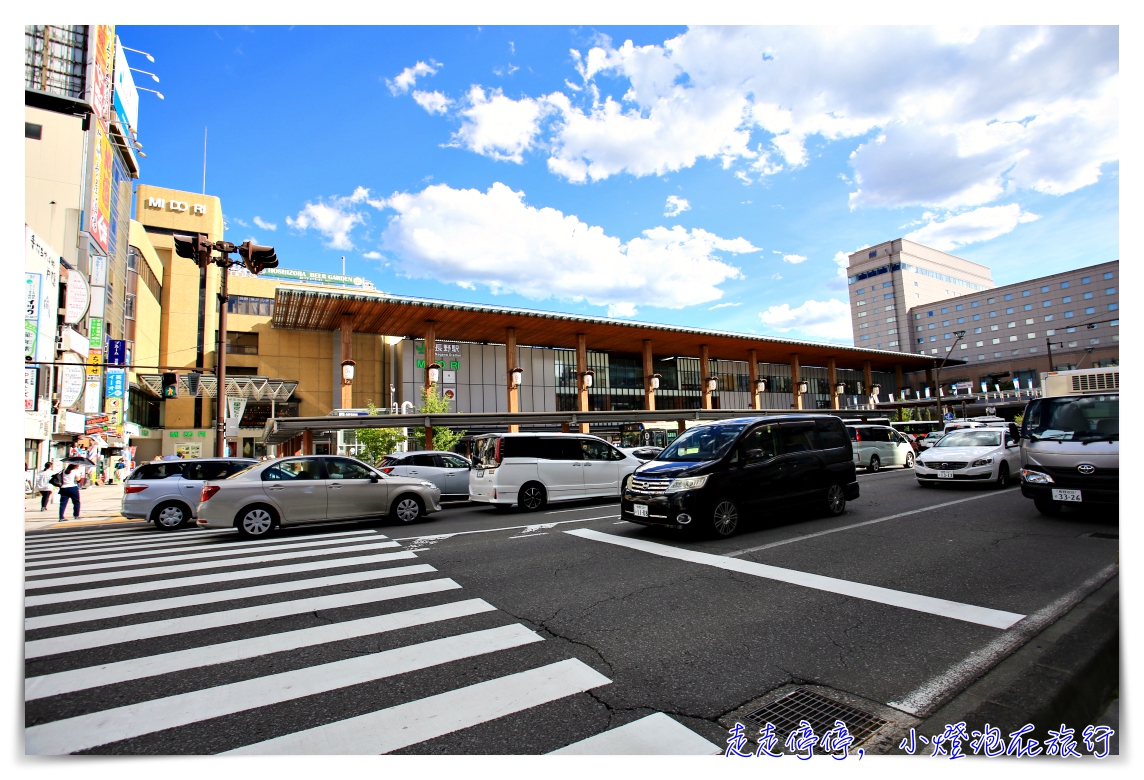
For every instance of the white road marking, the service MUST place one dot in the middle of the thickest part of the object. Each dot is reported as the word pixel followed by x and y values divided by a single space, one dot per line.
pixel 573 509
pixel 217 596
pixel 104 532
pixel 407 724
pixel 210 579
pixel 195 553
pixel 128 574
pixel 238 650
pixel 152 547
pixel 504 528
pixel 926 698
pixel 968 612
pixel 190 537
pixel 100 728
pixel 86 640
pixel 858 525
pixel 529 536
pixel 655 735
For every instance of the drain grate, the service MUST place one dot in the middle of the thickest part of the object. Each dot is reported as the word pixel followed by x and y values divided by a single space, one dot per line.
pixel 819 711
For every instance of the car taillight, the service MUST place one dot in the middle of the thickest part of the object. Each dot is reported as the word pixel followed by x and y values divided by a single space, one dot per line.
pixel 134 488
pixel 208 491
pixel 387 469
pixel 497 452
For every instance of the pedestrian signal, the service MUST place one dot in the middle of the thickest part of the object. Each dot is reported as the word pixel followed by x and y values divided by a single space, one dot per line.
pixel 170 385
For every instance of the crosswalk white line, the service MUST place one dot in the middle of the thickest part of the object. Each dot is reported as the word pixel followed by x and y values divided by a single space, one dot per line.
pixel 969 613
pixel 211 579
pixel 229 549
pixel 86 640
pixel 655 735
pixel 218 596
pixel 407 724
pixel 127 574
pixel 155 538
pixel 89 532
pixel 241 649
pixel 187 542
pixel 100 728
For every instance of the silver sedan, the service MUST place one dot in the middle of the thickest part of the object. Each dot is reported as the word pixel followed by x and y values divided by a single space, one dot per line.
pixel 312 489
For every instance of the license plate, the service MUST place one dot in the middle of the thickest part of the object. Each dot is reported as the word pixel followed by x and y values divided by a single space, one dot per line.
pixel 1060 494
pixel 641 509
pixel 480 472
pixel 945 475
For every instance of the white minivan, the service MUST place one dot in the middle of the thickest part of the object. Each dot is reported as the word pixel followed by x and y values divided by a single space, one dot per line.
pixel 530 470
pixel 876 446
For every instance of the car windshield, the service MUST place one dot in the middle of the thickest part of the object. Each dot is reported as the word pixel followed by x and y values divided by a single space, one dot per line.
pixel 977 438
pixel 246 467
pixel 1088 418
pixel 704 442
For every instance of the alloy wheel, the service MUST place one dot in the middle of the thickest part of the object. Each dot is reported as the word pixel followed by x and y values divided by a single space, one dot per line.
pixel 875 464
pixel 725 518
pixel 257 522
pixel 531 498
pixel 909 460
pixel 1003 475
pixel 835 499
pixel 171 516
pixel 407 510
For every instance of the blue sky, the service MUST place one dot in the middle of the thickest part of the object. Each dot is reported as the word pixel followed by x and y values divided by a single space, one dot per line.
pixel 705 177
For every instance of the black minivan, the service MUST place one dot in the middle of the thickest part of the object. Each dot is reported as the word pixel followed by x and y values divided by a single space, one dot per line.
pixel 714 475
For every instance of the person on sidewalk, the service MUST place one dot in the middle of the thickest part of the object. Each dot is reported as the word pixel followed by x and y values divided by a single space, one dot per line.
pixel 69 489
pixel 44 487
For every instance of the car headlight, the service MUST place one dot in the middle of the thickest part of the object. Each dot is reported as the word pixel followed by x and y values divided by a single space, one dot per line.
pixel 1035 477
pixel 686 483
pixel 981 462
pixel 429 484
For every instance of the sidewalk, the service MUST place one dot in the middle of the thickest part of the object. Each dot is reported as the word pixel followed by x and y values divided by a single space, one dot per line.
pixel 99 504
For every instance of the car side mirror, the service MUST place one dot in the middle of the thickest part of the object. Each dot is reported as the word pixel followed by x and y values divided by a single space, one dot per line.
pixel 373 477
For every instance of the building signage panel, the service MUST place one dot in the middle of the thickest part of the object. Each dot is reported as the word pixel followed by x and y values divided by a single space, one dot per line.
pixel 72 341
pixel 91 396
pixel 74 422
pixel 31 314
pixel 102 57
pixel 98 271
pixel 116 353
pixel 116 383
pixel 40 259
pixel 77 299
pixel 98 299
pixel 71 385
pixel 31 378
pixel 124 94
pixel 99 208
pixel 95 332
pixel 94 362
pixel 308 277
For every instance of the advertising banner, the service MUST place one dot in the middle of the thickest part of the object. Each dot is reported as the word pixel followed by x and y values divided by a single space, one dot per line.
pixel 74 422
pixel 41 260
pixel 71 385
pixel 77 298
pixel 99 208
pixel 31 314
pixel 235 408
pixel 31 377
pixel 116 353
pixel 91 396
pixel 115 382
pixel 102 57
pixel 98 271
pixel 125 95
pixel 95 332
pixel 94 360
pixel 72 341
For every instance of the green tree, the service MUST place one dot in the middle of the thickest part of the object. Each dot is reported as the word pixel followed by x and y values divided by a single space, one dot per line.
pixel 1019 419
pixel 378 442
pixel 444 439
pixel 906 413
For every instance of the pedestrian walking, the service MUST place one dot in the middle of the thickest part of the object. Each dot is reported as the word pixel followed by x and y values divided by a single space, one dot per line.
pixel 69 489
pixel 44 487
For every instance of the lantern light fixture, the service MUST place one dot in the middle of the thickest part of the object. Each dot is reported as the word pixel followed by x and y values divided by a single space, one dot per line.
pixel 655 381
pixel 760 385
pixel 348 371
pixel 803 387
pixel 840 389
pixel 876 390
pixel 586 378
pixel 517 376
pixel 434 370
pixel 712 384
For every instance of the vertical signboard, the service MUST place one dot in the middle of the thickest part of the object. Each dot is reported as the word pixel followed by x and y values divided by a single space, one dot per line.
pixel 115 382
pixel 95 333
pixel 126 96
pixel 39 259
pixel 31 379
pixel 102 57
pixel 71 385
pixel 31 314
pixel 98 271
pixel 99 207
pixel 116 353
pixel 91 396
pixel 77 299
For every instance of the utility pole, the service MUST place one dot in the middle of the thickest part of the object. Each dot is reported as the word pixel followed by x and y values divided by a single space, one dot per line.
pixel 937 372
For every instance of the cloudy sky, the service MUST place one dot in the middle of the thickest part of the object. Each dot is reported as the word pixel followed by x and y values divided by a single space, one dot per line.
pixel 713 177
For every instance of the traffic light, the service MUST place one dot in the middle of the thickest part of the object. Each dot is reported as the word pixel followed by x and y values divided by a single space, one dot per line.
pixel 257 258
pixel 193 383
pixel 197 248
pixel 170 385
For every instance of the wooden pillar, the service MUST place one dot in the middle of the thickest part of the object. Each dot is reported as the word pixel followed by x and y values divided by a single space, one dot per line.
pixel 430 359
pixel 796 380
pixel 704 375
pixel 347 339
pixel 581 367
pixel 832 380
pixel 899 381
pixel 307 442
pixel 753 378
pixel 867 377
pixel 648 370
pixel 680 427
pixel 510 358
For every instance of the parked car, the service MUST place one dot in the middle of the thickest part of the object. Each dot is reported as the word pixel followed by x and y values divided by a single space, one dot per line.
pixel 447 470
pixel 312 489
pixel 167 492
pixel 976 454
pixel 930 439
pixel 715 475
pixel 530 470
pixel 642 454
pixel 876 446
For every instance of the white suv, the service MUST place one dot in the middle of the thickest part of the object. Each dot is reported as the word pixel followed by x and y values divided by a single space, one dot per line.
pixel 533 469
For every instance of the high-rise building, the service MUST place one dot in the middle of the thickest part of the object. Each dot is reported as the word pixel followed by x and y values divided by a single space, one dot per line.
pixel 888 279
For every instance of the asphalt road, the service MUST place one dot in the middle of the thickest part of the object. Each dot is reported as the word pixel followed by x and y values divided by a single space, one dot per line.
pixel 475 632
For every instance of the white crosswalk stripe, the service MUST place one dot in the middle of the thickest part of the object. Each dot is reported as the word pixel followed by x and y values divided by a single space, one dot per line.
pixel 655 735
pixel 94 532
pixel 191 537
pixel 444 633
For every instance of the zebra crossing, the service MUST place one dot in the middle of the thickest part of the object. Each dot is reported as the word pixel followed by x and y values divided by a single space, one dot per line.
pixel 329 642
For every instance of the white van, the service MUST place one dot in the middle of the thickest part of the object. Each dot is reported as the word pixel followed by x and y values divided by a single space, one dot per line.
pixel 532 469
pixel 876 446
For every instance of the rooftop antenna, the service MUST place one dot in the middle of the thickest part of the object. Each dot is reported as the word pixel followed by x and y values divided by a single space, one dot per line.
pixel 204 160
pixel 343 265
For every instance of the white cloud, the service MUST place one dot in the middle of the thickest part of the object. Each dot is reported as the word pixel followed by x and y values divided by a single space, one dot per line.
pixel 239 222
pixel 497 126
pixel 405 80
pixel 372 255
pixel 980 224
pixel 796 259
pixel 722 306
pixel 675 206
pixel 838 282
pixel 335 217
pixel 495 239
pixel 828 319
pixel 264 224
pixel 433 102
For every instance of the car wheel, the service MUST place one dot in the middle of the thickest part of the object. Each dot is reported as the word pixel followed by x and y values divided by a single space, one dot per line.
pixel 532 497
pixel 170 516
pixel 1047 507
pixel 1003 475
pixel 875 464
pixel 406 509
pixel 624 483
pixel 725 518
pixel 909 460
pixel 256 522
pixel 835 500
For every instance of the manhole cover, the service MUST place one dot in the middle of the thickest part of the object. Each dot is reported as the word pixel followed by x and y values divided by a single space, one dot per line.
pixel 819 711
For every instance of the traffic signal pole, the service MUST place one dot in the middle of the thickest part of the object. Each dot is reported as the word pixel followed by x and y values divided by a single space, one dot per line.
pixel 220 362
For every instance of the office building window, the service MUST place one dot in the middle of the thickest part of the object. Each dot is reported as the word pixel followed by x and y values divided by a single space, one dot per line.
pixel 245 304
pixel 1068 314
pixel 860 290
pixel 1050 332
pixel 1090 310
pixel 887 284
pixel 887 297
pixel 980 357
pixel 864 338
pixel 931 326
pixel 1029 321
pixel 945 311
pixel 1031 336
pixel 1009 310
pixel 1028 306
pixel 1072 343
pixel 129 306
pixel 33 131
pixel 976 317
pixel 991 300
pixel 996 341
pixel 1012 338
pixel 1045 288
pixel 979 344
pixel 996 354
pixel 1015 352
pixel 1087 295
pixel 1070 330
pixel 975 304
pixel 860 303
pixel 238 343
pixel 1094 341
pixel 1066 299
pixel 1011 325
pixel 945 323
pixel 1008 296
pixel 1025 293
pixel 921 341
pixel 965 346
pixel 1048 318
pixel 893 344
pixel 1114 323
pixel 977 330
pixel 1110 291
pixel 1046 304
pixel 994 327
pixel 958 307
pixel 933 338
pixel 1113 306
pixel 947 335
pixel 1109 275
pixel 1032 349
pixel 862 313
pixel 992 314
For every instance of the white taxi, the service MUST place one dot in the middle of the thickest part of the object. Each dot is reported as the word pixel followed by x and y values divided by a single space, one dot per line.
pixel 972 455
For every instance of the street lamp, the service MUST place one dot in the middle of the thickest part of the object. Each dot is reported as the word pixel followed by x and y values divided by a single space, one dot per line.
pixel 937 370
pixel 586 379
pixel 157 92
pixel 146 73
pixel 760 386
pixel 712 384
pixel 137 51
pixel 434 372
pixel 517 376
pixel 347 383
pixel 839 389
